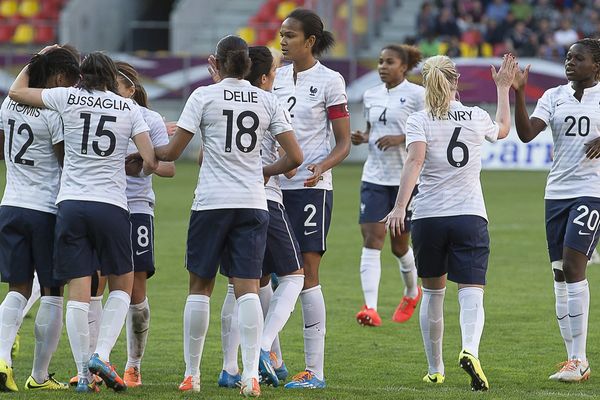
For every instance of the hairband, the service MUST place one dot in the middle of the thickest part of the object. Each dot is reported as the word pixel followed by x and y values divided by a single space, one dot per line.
pixel 126 77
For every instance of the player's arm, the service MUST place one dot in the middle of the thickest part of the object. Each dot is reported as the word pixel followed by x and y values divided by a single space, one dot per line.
pixel 21 92
pixel 503 78
pixel 527 128
pixel 360 137
pixel 178 143
pixel 394 221
pixel 291 173
pixel 144 145
pixel 59 152
pixel 292 158
pixel 166 169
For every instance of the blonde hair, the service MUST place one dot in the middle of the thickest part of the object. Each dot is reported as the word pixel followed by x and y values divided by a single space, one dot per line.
pixel 440 79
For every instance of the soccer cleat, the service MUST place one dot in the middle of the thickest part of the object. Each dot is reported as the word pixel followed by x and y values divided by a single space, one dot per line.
pixel 74 380
pixel 407 306
pixel 190 384
pixel 556 375
pixel 132 377
pixel 7 381
pixel 368 317
pixel 229 381
pixel 574 371
pixel 14 350
pixel 265 369
pixel 434 378
pixel 274 281
pixel 281 372
pixel 48 384
pixel 250 388
pixel 471 365
pixel 107 372
pixel 84 386
pixel 305 380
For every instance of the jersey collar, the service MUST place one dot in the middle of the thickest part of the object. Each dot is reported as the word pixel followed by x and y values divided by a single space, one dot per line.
pixel 308 71
pixel 235 81
pixel 397 87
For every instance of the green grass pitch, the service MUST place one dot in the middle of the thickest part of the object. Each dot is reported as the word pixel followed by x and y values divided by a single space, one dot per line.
pixel 520 346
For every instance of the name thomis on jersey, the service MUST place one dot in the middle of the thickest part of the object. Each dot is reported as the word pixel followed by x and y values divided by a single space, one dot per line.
pixel 460 115
pixel 23 109
pixel 98 102
pixel 240 97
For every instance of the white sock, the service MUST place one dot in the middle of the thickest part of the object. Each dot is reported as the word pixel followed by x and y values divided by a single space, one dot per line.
pixel 196 316
pixel 230 333
pixel 408 271
pixel 472 318
pixel 35 295
pixel 48 327
pixel 280 309
pixel 250 322
pixel 113 319
pixel 562 313
pixel 11 316
pixel 138 323
pixel 431 318
pixel 370 274
pixel 579 308
pixel 79 335
pixel 313 314
pixel 94 317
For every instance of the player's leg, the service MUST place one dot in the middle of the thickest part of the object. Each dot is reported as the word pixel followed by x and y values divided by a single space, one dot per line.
pixel 230 340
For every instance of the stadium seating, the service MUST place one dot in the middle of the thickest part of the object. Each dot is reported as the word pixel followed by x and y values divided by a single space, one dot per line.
pixel 29 22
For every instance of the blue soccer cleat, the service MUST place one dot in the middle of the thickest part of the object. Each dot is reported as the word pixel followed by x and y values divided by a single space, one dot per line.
pixel 107 372
pixel 305 380
pixel 274 281
pixel 84 386
pixel 282 371
pixel 265 369
pixel 229 381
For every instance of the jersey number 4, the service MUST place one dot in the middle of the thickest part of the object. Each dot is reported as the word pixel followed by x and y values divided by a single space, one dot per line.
pixel 241 131
pixel 23 128
pixel 455 144
pixel 100 132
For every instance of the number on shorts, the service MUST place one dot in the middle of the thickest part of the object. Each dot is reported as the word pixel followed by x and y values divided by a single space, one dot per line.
pixel 143 238
pixel 312 210
pixel 593 217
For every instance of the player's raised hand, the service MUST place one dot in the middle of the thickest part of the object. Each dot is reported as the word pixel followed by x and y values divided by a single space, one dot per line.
pixel 359 137
pixel 520 80
pixel 212 69
pixel 504 77
pixel 394 221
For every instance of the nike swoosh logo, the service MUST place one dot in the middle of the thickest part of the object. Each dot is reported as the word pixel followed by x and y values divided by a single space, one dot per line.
pixel 140 332
pixel 311 325
pixel 432 379
pixel 310 233
pixel 576 315
pixel 277 88
pixel 561 318
pixel 584 371
pixel 139 253
pixel 584 233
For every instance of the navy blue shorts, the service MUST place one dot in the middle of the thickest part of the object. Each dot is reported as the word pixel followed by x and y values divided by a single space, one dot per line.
pixel 142 240
pixel 240 231
pixel 376 201
pixel 572 223
pixel 457 245
pixel 26 244
pixel 309 211
pixel 88 232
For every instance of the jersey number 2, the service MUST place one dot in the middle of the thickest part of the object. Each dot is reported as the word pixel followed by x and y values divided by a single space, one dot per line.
pixel 19 157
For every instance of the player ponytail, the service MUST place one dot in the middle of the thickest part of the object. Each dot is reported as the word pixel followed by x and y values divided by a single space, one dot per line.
pixel 130 78
pixel 440 80
pixel 409 55
pixel 312 25
pixel 98 72
pixel 233 58
pixel 262 62
pixel 43 67
pixel 593 46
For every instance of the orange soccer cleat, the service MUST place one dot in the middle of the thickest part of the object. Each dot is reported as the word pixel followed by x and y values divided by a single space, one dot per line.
pixel 368 317
pixel 407 306
pixel 132 377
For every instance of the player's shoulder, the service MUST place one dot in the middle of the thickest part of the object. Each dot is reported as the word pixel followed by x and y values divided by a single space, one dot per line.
pixel 284 70
pixel 374 91
pixel 418 117
pixel 558 91
pixel 414 88
pixel 327 74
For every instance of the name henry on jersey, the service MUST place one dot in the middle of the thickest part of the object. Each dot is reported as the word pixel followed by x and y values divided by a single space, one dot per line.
pixel 460 115
pixel 98 102
pixel 23 109
pixel 240 97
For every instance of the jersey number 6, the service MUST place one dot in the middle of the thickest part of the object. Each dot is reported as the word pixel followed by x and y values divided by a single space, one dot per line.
pixel 454 143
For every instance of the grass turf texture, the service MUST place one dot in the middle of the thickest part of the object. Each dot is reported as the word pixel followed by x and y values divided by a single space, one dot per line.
pixel 521 343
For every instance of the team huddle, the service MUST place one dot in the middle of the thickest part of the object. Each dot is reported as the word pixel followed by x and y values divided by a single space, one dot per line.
pixel 81 146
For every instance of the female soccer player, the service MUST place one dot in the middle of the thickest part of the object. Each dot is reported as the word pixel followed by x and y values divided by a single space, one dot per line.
pixel 449 222
pixel 93 220
pixel 316 100
pixel 572 191
pixel 229 216
pixel 387 107
pixel 282 256
pixel 32 141
pixel 141 200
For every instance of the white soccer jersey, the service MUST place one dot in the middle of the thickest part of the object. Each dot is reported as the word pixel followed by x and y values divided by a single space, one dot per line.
pixel 450 177
pixel 140 196
pixel 387 111
pixel 307 101
pixel 233 117
pixel 32 170
pixel 97 129
pixel 573 123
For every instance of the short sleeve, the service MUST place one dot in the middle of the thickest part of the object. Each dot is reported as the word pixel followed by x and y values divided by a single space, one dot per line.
pixel 415 129
pixel 191 116
pixel 336 92
pixel 280 119
pixel 158 129
pixel 55 126
pixel 543 109
pixel 4 105
pixel 488 127
pixel 56 98
pixel 138 124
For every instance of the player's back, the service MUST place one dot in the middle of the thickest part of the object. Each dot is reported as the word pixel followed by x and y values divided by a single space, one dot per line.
pixel 450 176
pixel 32 169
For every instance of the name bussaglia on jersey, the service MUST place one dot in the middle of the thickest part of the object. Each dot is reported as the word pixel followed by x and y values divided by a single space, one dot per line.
pixel 98 102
